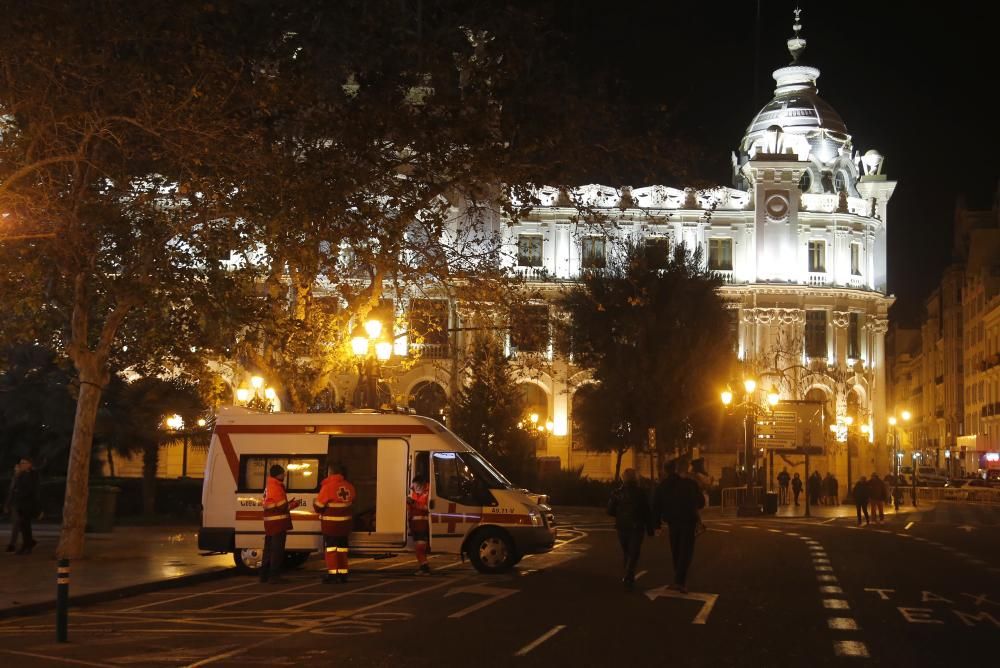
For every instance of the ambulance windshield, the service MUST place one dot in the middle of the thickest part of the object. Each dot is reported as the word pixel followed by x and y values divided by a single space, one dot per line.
pixel 485 471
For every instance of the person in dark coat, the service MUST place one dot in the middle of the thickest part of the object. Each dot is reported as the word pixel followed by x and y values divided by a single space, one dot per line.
pixel 796 487
pixel 23 506
pixel 861 495
pixel 814 487
pixel 677 502
pixel 633 520
pixel 828 489
pixel 783 480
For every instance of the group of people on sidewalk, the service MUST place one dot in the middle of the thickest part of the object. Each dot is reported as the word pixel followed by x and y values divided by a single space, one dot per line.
pixel 335 506
pixel 676 501
pixel 23 505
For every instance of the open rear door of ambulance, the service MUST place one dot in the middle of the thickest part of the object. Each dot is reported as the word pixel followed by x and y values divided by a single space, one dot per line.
pixel 379 470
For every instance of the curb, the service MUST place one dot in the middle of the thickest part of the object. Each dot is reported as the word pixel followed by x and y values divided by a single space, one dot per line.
pixel 120 592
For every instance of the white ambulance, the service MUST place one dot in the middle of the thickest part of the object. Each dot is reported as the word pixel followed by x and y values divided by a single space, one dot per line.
pixel 474 509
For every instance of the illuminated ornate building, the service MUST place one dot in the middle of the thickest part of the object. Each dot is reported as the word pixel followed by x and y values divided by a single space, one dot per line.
pixel 799 240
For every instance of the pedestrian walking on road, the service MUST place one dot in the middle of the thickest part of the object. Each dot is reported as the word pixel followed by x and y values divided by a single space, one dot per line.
pixel 860 493
pixel 277 524
pixel 335 506
pixel 796 487
pixel 913 487
pixel 783 479
pixel 23 505
pixel 420 527
pixel 834 491
pixel 677 501
pixel 814 487
pixel 877 491
pixel 633 520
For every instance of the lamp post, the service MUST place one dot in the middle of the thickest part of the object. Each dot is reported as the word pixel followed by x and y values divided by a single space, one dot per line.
pixel 750 410
pixel 259 396
pixel 371 350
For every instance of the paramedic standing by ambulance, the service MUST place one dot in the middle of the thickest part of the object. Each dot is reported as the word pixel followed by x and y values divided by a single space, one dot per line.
pixel 420 528
pixel 334 503
pixel 277 524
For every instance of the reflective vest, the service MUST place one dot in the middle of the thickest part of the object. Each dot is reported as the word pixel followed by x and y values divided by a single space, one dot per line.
pixel 277 513
pixel 334 506
pixel 416 512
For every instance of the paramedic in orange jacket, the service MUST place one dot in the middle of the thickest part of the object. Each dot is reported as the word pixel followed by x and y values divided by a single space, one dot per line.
pixel 420 528
pixel 334 505
pixel 277 524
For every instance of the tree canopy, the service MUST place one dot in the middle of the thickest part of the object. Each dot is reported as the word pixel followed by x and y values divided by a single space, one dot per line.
pixel 654 333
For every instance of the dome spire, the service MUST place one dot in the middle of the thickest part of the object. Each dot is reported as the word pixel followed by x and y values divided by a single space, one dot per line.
pixel 796 43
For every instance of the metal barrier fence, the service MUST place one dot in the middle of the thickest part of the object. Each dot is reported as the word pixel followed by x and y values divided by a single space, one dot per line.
pixel 733 497
pixel 990 497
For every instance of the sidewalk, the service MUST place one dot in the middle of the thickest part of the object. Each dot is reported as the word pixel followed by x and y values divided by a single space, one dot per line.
pixel 844 510
pixel 130 559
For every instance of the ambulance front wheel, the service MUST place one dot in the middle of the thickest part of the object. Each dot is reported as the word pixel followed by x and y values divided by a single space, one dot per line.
pixel 492 551
pixel 248 559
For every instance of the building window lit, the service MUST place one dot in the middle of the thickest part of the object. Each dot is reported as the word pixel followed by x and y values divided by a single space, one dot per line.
pixel 816 334
pixel 529 250
pixel 657 251
pixel 817 256
pixel 592 255
pixel 855 259
pixel 720 254
pixel 854 336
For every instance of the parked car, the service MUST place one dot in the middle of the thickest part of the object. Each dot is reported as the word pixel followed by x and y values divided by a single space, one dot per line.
pixel 929 476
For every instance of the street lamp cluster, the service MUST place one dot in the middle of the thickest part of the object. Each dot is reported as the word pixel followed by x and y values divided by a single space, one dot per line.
pixel 751 409
pixel 897 454
pixel 175 424
pixel 371 349
pixel 258 396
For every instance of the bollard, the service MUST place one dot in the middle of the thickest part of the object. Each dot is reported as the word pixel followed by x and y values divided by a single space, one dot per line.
pixel 62 600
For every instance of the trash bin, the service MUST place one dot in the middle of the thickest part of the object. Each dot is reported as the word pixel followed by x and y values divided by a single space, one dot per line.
pixel 102 503
pixel 771 503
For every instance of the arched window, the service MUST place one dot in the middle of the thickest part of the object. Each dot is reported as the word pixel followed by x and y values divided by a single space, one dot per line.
pixel 535 401
pixel 429 399
pixel 840 181
pixel 854 405
pixel 805 183
pixel 821 397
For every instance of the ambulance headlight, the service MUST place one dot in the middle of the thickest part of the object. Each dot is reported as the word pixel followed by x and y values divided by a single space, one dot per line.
pixel 536 519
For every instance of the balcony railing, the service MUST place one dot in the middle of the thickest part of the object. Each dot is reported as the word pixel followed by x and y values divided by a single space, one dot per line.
pixel 434 351
pixel 818 278
pixel 857 282
pixel 532 273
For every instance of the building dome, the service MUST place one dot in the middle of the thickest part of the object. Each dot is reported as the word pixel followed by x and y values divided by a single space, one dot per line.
pixel 798 109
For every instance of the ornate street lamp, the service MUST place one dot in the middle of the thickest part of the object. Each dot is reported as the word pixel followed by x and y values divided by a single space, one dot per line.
pixel 371 350
pixel 750 410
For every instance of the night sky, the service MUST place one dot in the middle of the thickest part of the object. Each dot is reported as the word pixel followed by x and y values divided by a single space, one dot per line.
pixel 917 85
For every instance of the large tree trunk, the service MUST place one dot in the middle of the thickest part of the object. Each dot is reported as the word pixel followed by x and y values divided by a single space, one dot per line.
pixel 78 473
pixel 618 463
pixel 150 461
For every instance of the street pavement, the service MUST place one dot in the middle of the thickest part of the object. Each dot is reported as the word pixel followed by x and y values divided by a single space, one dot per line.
pixel 127 559
pixel 922 589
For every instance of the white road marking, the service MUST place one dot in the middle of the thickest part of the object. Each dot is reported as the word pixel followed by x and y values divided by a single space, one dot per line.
pixel 264 641
pixel 187 596
pixel 640 574
pixel 708 600
pixel 832 519
pixel 835 604
pixel 337 595
pixel 825 577
pixel 538 641
pixel 842 624
pixel 966 528
pixel 397 564
pixel 75 662
pixel 774 530
pixel 719 530
pixel 823 569
pixel 852 648
pixel 908 525
pixel 831 589
pixel 258 596
pixel 495 594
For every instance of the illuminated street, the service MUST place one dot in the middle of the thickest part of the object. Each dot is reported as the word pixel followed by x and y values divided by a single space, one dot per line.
pixel 774 592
